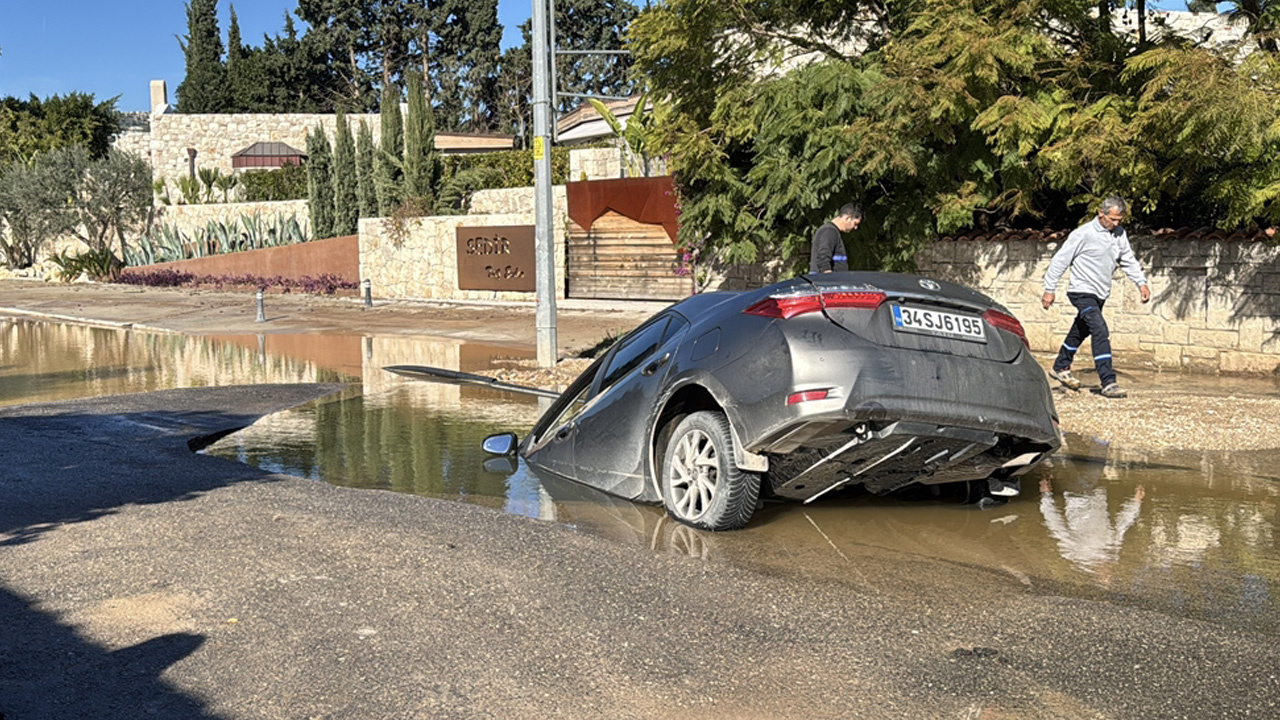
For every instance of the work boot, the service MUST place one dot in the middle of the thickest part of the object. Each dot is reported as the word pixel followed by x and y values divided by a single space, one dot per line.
pixel 1112 391
pixel 1066 378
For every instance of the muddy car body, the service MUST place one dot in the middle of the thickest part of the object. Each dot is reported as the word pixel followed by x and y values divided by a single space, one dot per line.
pixel 800 388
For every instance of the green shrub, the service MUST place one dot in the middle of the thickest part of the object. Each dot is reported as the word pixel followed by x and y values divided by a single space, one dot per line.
pixel 286 183
pixel 516 166
pixel 167 243
pixel 98 264
pixel 456 192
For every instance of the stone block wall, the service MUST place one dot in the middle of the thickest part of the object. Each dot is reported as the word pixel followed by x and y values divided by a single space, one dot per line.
pixel 216 137
pixel 1215 306
pixel 419 260
pixel 191 218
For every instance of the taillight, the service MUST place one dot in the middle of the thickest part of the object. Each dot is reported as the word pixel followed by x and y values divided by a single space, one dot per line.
pixel 806 396
pixel 1005 321
pixel 868 300
pixel 785 306
pixel 789 306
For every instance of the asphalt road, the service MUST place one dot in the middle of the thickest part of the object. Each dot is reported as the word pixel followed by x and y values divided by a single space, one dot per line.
pixel 138 579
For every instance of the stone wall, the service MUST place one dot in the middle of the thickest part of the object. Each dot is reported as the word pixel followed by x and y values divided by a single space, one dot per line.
pixel 191 218
pixel 595 164
pixel 1215 306
pixel 418 258
pixel 609 163
pixel 216 137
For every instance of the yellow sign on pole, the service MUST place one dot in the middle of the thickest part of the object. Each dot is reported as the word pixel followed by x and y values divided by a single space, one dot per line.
pixel 538 150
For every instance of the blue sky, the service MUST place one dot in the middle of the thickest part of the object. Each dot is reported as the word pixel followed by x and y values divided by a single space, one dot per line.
pixel 48 47
pixel 51 47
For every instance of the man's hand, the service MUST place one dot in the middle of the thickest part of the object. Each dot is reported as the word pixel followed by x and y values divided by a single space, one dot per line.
pixel 1047 299
pixel 1145 292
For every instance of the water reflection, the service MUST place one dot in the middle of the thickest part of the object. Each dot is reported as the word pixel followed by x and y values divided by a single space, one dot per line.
pixel 1191 534
pixel 1185 534
pixel 43 362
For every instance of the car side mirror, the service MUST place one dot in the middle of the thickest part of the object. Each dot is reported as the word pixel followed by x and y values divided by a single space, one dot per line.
pixel 500 444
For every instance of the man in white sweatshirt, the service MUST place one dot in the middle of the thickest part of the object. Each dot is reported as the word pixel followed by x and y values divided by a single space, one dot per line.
pixel 1092 252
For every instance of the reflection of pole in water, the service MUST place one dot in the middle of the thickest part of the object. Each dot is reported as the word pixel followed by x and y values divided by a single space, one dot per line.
pixel 262 348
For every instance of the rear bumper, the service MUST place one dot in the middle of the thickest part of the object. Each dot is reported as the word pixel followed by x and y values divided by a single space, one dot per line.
pixel 919 416
pixel 881 385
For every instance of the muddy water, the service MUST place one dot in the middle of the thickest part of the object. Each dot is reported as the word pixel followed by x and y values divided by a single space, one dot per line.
pixel 1187 534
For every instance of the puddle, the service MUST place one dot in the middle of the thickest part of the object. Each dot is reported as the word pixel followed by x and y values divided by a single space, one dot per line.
pixel 1181 533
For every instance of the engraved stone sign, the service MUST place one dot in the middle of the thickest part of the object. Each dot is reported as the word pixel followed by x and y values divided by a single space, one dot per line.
pixel 496 258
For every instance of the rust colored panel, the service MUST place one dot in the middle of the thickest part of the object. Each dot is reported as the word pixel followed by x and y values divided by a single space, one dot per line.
pixel 496 258
pixel 336 256
pixel 647 200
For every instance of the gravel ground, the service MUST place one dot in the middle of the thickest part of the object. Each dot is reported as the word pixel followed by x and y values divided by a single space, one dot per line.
pixel 1174 410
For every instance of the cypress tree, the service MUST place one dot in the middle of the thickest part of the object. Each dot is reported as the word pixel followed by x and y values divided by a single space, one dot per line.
pixel 346 203
pixel 389 175
pixel 365 189
pixel 203 89
pixel 319 185
pixel 421 162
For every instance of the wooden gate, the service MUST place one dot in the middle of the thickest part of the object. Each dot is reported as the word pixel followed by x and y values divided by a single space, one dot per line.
pixel 620 258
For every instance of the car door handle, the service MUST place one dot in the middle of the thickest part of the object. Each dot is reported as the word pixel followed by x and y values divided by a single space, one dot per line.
pixel 652 367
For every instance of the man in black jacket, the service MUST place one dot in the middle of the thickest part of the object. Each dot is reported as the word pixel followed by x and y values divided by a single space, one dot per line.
pixel 828 254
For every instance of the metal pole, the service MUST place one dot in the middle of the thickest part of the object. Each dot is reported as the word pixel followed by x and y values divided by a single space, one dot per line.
pixel 544 238
pixel 261 317
pixel 368 293
pixel 555 71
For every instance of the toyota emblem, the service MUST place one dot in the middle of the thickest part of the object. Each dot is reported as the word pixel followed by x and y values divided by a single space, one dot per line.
pixel 930 285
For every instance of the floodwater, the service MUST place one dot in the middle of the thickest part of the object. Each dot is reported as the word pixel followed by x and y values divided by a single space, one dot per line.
pixel 1184 533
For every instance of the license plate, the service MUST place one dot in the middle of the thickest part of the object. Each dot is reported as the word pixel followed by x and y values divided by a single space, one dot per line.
pixel 937 322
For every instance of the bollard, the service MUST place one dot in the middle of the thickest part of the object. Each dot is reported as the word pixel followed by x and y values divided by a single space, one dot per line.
pixel 368 293
pixel 261 317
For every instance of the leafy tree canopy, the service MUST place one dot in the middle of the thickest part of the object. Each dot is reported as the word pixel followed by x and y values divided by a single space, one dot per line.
pixel 945 115
pixel 33 126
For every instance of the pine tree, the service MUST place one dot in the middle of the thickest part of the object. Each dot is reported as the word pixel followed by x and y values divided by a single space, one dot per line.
pixel 464 63
pixel 320 184
pixel 365 188
pixel 421 162
pixel 389 167
pixel 346 203
pixel 203 89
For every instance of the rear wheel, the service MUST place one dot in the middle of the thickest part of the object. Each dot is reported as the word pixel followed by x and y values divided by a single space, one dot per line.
pixel 701 484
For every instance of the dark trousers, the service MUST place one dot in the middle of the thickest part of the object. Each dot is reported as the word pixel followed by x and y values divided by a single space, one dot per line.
pixel 1088 323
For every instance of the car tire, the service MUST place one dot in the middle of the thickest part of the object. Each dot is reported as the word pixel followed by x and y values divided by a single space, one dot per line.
pixel 701 485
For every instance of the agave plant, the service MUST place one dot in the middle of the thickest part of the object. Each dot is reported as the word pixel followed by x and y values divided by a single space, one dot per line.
pixel 252 225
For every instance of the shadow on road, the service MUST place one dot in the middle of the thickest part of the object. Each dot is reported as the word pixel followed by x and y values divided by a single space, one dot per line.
pixel 76 462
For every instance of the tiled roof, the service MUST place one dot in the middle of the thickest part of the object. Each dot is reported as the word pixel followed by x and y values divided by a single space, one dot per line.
pixel 1207 234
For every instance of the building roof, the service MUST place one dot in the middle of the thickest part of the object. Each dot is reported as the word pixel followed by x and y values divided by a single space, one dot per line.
pixel 269 149
pixel 472 142
pixel 583 123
